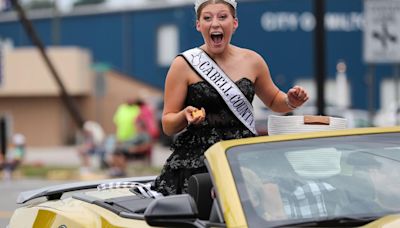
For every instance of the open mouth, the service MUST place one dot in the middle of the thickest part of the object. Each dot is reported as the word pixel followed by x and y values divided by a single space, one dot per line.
pixel 217 37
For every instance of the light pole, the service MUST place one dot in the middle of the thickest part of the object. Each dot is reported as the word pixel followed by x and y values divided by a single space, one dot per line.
pixel 319 54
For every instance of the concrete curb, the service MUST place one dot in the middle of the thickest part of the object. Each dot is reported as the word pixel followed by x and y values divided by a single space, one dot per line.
pixel 68 156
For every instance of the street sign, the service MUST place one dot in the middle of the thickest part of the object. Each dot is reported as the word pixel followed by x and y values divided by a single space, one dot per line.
pixel 382 31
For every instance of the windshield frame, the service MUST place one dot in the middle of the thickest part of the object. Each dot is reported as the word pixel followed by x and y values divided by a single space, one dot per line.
pixel 254 219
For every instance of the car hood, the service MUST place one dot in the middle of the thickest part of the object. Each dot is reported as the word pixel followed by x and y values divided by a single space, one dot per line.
pixel 389 221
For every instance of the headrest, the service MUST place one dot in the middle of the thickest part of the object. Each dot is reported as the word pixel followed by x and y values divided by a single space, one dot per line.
pixel 315 163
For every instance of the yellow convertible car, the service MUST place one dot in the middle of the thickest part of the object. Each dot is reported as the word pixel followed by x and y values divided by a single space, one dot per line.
pixel 332 178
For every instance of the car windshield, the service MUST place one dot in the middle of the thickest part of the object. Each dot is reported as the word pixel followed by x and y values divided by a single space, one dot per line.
pixel 321 179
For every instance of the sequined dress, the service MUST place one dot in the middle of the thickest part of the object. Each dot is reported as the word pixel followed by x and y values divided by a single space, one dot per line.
pixel 188 148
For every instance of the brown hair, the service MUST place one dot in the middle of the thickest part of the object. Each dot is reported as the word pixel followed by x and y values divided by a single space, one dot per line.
pixel 233 11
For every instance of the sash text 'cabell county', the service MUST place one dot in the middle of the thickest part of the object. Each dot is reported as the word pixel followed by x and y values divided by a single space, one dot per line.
pixel 236 100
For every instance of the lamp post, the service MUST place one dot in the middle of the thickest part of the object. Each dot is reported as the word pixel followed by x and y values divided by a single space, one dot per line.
pixel 319 54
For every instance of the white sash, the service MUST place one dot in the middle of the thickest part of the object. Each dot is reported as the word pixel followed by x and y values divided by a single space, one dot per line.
pixel 227 89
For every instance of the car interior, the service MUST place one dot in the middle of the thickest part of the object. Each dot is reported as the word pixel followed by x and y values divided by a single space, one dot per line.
pixel 200 189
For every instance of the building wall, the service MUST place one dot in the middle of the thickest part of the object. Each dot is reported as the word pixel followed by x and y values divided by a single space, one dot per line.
pixel 30 101
pixel 45 121
pixel 281 31
pixel 26 74
pixel 40 119
pixel 119 88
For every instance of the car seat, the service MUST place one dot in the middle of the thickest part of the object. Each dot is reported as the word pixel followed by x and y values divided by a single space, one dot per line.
pixel 199 187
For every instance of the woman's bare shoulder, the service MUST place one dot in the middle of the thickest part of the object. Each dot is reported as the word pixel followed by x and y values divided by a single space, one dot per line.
pixel 249 54
pixel 179 62
pixel 180 71
pixel 179 65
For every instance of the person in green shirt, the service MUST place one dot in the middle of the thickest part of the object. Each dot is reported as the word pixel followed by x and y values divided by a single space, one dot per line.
pixel 132 138
pixel 124 120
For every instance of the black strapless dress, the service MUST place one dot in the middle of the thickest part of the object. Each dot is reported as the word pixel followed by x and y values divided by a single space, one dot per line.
pixel 189 146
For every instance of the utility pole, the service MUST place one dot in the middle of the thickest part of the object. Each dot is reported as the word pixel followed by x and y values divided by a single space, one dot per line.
pixel 30 31
pixel 319 54
pixel 55 33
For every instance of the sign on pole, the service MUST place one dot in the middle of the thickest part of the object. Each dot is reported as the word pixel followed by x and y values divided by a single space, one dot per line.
pixel 382 31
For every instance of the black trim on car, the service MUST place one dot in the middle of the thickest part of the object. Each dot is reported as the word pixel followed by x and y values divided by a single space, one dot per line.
pixel 131 207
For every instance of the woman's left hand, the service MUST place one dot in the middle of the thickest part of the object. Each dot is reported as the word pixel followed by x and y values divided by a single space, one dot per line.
pixel 297 96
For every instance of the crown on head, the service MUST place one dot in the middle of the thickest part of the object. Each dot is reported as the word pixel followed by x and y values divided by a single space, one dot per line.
pixel 198 3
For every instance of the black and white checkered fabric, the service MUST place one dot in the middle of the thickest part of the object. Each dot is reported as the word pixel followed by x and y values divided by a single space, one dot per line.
pixel 307 201
pixel 138 188
pixel 115 185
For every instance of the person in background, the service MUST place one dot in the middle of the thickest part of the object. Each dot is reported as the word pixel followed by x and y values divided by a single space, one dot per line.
pixel 14 156
pixel 92 145
pixel 139 148
pixel 124 119
pixel 370 173
pixel 133 139
pixel 208 94
pixel 147 117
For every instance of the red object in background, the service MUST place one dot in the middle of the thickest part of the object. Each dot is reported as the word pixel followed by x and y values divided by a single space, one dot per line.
pixel 147 117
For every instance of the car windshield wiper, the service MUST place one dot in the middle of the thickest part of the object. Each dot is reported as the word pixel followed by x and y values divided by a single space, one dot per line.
pixel 336 221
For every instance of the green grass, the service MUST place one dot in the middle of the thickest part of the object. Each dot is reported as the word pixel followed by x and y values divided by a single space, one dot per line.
pixel 34 171
pixel 72 172
pixel 136 169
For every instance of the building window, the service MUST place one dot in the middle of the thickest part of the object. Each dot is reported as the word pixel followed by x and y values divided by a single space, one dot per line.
pixel 167 44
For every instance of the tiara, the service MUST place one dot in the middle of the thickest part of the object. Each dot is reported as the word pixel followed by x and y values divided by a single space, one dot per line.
pixel 198 3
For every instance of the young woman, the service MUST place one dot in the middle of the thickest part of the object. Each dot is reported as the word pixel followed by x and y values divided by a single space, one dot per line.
pixel 200 95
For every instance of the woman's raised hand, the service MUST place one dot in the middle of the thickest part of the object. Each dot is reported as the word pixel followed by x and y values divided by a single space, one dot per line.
pixel 296 97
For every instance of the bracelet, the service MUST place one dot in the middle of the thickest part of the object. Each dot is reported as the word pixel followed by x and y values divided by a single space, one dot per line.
pixel 290 106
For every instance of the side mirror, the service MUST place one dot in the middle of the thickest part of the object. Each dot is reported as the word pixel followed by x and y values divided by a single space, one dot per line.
pixel 172 211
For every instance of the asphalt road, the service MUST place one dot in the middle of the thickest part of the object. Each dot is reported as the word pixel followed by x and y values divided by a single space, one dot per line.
pixel 9 191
